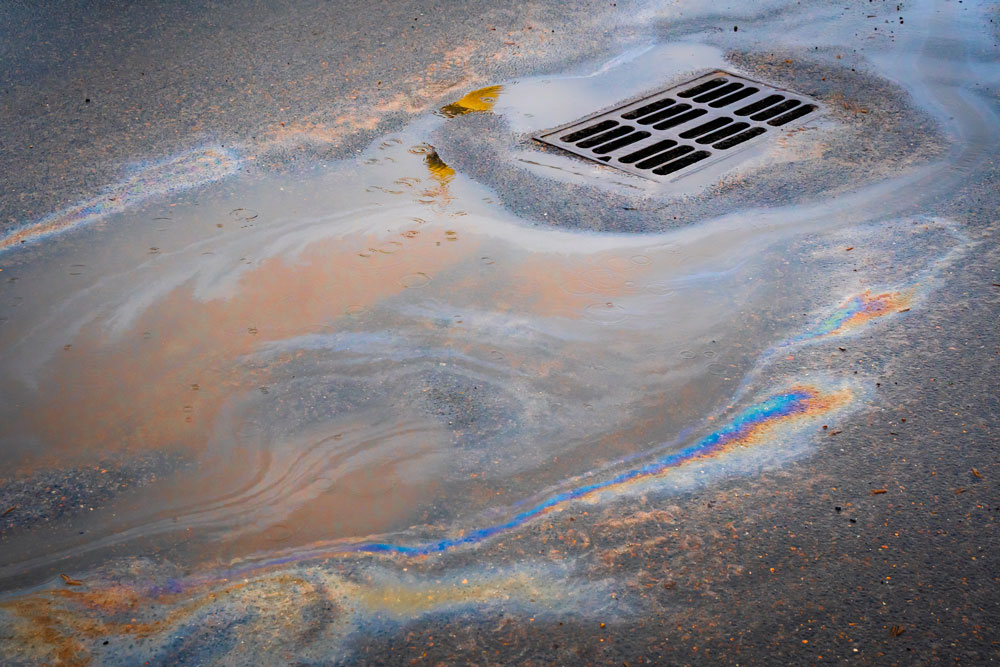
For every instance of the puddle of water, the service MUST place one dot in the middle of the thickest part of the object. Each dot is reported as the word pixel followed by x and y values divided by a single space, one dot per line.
pixel 350 364
pixel 377 360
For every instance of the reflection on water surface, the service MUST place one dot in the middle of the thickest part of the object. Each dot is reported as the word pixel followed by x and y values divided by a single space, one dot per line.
pixel 351 373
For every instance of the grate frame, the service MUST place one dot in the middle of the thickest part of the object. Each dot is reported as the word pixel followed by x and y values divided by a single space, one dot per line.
pixel 686 127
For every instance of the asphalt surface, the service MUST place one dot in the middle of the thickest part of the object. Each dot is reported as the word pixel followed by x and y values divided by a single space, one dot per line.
pixel 878 545
pixel 91 89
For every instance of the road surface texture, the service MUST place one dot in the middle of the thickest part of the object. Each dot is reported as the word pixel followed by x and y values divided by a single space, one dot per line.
pixel 311 354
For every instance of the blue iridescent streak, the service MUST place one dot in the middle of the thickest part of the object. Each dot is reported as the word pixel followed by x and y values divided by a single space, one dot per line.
pixel 780 405
pixel 836 319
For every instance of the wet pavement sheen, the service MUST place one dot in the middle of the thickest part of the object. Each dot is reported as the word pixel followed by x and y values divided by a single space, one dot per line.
pixel 364 375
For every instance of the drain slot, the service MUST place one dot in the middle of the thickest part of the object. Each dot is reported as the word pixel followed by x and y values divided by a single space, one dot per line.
pixel 708 85
pixel 739 139
pixel 775 110
pixel 586 132
pixel 677 165
pixel 606 136
pixel 683 128
pixel 707 127
pixel 681 119
pixel 647 151
pixel 735 97
pixel 648 109
pixel 718 92
pixel 718 135
pixel 664 157
pixel 803 110
pixel 622 142
pixel 761 104
pixel 657 117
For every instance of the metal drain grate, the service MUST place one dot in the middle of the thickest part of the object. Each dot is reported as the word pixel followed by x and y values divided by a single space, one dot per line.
pixel 684 128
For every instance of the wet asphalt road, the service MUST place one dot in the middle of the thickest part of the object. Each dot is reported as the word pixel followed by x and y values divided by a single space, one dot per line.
pixel 89 88
pixel 810 563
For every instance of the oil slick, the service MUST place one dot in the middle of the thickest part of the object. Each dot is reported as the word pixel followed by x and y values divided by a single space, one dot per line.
pixel 388 370
pixel 751 427
pixel 856 312
pixel 312 612
pixel 139 618
pixel 190 169
pixel 325 426
pixel 138 614
pixel 861 310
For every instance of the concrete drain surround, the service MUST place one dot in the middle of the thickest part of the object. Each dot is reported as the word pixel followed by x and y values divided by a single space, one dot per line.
pixel 684 128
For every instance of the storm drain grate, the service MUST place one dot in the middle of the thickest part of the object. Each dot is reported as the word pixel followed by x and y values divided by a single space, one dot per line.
pixel 684 128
